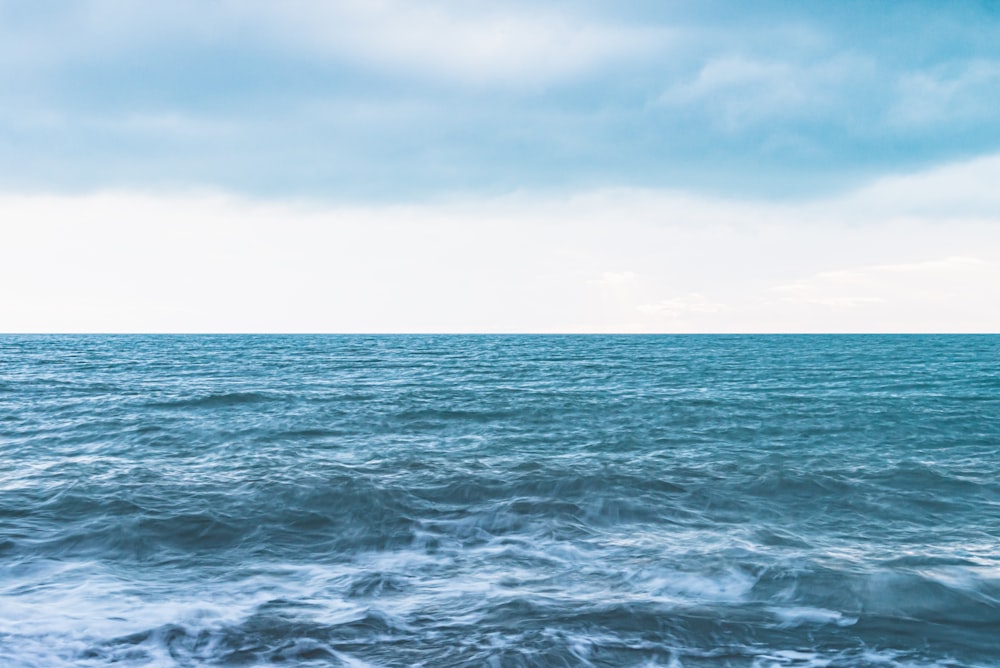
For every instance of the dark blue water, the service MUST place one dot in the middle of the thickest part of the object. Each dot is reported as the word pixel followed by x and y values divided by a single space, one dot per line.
pixel 500 501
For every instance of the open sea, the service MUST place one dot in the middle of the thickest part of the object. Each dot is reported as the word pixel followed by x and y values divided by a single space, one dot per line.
pixel 676 501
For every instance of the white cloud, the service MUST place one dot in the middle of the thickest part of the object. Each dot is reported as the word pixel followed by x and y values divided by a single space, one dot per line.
pixel 467 42
pixel 739 91
pixel 941 94
pixel 929 281
pixel 463 42
pixel 616 278
pixel 961 190
pixel 899 296
pixel 617 260
pixel 677 307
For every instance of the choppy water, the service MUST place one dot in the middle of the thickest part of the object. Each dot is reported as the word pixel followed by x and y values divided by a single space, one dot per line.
pixel 500 501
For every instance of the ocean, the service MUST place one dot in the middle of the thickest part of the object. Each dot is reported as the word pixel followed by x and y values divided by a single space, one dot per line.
pixel 676 501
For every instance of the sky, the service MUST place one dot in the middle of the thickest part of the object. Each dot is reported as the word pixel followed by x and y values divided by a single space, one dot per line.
pixel 505 166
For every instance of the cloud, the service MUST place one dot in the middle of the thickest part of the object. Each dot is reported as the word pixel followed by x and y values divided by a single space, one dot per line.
pixel 930 291
pixel 737 92
pixel 963 189
pixel 616 278
pixel 678 307
pixel 392 100
pixel 525 262
pixel 946 94
pixel 468 42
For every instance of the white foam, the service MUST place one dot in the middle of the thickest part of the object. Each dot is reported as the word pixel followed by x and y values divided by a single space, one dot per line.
pixel 83 605
pixel 797 616
pixel 724 586
pixel 788 657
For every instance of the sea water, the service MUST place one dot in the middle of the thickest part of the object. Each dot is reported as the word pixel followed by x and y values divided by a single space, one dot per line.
pixel 500 501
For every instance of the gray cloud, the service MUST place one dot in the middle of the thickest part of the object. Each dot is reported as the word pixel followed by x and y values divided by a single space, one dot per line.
pixel 393 100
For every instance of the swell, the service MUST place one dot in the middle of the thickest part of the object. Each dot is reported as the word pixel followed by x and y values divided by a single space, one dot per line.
pixel 216 400
pixel 606 501
pixel 284 506
pixel 395 621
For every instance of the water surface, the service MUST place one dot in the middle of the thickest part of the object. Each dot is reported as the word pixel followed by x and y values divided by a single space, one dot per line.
pixel 500 501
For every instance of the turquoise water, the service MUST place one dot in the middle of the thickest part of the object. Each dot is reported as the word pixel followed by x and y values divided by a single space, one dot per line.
pixel 500 501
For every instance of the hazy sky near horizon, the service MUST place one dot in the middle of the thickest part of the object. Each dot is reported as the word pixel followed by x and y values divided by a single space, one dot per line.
pixel 504 166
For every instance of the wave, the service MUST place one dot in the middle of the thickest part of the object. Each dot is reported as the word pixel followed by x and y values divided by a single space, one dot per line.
pixel 217 400
pixel 494 604
pixel 683 502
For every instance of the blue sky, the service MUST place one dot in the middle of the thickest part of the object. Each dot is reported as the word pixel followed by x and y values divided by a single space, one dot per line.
pixel 379 100
pixel 765 166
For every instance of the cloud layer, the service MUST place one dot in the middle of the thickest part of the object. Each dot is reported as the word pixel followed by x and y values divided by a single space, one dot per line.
pixel 894 256
pixel 462 165
pixel 390 100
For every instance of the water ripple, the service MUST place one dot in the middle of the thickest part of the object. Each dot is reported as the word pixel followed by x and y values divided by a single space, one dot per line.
pixel 499 501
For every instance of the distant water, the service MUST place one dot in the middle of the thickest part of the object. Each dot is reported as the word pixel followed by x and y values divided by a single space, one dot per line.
pixel 500 501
